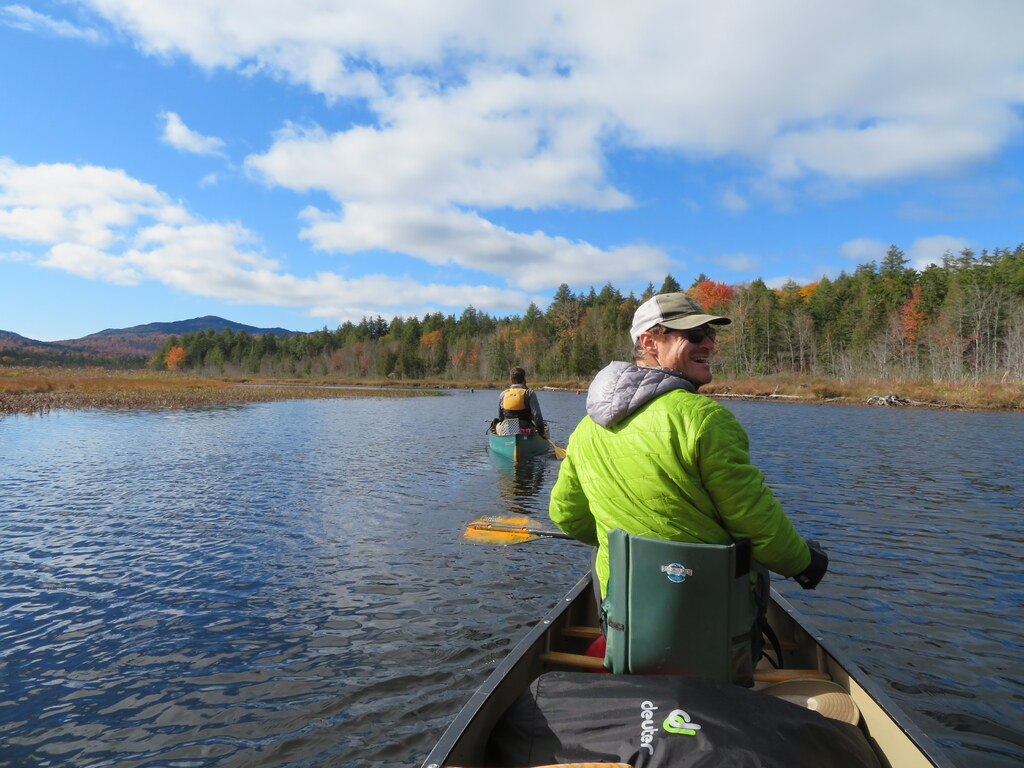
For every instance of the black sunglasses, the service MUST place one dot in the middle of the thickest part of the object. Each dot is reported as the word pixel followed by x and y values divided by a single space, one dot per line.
pixel 697 335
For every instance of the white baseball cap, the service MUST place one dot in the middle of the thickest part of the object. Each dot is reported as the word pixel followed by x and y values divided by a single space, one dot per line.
pixel 672 310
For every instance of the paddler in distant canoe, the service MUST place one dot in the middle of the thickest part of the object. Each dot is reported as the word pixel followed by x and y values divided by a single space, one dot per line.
pixel 655 458
pixel 519 407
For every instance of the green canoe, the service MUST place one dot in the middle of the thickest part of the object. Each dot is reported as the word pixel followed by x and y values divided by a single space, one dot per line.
pixel 517 447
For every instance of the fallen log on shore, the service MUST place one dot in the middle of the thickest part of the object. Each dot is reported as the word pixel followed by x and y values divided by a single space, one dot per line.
pixel 903 402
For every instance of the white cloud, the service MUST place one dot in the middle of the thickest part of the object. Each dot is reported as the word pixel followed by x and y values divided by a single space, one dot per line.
pixel 441 155
pixel 473 108
pixel 184 139
pixel 484 107
pixel 85 205
pixel 930 250
pixel 792 88
pixel 737 262
pixel 881 152
pixel 923 251
pixel 101 224
pixel 531 261
pixel 733 201
pixel 16 256
pixel 778 282
pixel 92 263
pixel 27 20
pixel 343 299
pixel 863 250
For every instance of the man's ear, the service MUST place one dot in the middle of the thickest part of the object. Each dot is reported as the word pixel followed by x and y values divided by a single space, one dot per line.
pixel 648 344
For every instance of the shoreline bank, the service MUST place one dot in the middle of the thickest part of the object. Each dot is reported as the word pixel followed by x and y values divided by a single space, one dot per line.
pixel 40 390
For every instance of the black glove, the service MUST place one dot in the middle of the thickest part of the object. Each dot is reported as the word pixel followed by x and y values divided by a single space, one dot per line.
pixel 809 577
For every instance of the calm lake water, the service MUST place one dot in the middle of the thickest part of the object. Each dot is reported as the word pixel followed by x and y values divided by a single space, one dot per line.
pixel 285 584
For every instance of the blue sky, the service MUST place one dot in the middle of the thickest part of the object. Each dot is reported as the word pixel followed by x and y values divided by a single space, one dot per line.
pixel 305 163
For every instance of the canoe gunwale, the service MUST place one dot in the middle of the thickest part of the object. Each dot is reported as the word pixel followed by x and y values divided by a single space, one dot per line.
pixel 523 660
pixel 836 658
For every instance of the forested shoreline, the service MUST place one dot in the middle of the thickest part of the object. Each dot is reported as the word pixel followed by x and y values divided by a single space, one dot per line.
pixel 961 321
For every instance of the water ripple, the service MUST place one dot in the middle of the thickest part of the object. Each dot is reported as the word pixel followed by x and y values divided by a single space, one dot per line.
pixel 286 583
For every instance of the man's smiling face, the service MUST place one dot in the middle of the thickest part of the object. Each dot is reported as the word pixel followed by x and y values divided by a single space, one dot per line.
pixel 676 351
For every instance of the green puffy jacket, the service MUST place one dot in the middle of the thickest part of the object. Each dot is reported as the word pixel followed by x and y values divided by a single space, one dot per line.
pixel 655 458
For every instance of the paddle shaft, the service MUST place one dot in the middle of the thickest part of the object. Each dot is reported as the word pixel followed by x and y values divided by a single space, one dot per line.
pixel 519 529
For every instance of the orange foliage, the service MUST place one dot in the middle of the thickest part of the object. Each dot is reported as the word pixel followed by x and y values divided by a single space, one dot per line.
pixel 912 318
pixel 526 341
pixel 467 358
pixel 807 291
pixel 429 340
pixel 711 295
pixel 175 358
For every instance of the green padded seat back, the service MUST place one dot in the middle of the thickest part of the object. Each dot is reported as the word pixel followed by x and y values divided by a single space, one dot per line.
pixel 679 608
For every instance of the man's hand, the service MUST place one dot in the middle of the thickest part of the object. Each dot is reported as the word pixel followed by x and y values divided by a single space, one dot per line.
pixel 809 577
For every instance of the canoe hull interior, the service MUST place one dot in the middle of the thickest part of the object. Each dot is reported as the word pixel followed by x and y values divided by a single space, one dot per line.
pixel 559 640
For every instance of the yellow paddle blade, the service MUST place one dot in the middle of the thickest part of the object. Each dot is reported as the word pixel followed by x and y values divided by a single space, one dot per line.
pixel 498 530
pixel 490 536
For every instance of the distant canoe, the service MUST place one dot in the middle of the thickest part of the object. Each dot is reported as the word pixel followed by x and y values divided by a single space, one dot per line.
pixel 517 447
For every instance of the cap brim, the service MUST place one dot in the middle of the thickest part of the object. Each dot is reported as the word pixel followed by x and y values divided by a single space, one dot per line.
pixel 694 321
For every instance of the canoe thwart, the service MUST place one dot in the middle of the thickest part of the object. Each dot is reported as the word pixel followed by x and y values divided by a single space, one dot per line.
pixel 572 660
pixel 779 675
pixel 590 633
pixel 592 662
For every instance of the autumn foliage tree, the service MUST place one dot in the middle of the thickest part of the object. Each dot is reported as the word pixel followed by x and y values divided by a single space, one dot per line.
pixel 713 296
pixel 175 359
pixel 912 318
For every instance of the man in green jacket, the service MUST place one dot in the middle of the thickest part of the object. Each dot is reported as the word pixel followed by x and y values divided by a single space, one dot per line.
pixel 655 458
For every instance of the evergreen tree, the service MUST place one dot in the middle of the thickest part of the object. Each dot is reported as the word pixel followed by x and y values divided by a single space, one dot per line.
pixel 671 285
pixel 409 364
pixel 964 317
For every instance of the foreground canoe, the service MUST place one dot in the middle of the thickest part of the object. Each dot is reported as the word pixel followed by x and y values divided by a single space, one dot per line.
pixel 517 447
pixel 554 648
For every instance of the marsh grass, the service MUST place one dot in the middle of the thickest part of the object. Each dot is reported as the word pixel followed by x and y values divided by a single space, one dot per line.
pixel 35 390
pixel 984 395
pixel 32 390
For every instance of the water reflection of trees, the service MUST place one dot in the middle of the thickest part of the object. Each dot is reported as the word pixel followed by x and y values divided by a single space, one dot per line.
pixel 520 485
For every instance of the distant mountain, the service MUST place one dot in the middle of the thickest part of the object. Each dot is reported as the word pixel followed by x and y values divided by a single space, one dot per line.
pixel 9 340
pixel 185 326
pixel 139 340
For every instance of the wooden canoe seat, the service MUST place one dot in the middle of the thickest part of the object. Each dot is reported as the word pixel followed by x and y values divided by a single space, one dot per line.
pixel 580 661
pixel 573 630
pixel 572 660
pixel 778 675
